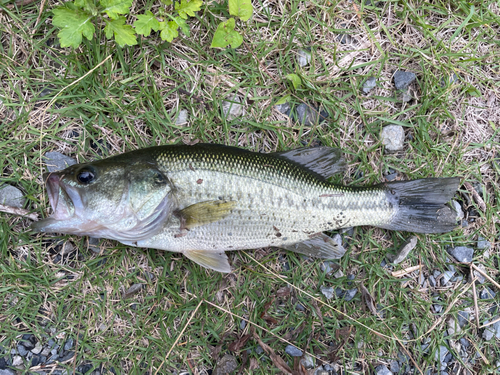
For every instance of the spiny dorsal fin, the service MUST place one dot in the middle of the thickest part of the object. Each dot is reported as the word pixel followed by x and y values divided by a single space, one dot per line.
pixel 204 213
pixel 325 161
pixel 216 261
pixel 320 246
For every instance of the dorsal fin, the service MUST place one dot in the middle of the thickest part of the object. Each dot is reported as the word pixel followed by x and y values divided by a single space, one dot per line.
pixel 325 161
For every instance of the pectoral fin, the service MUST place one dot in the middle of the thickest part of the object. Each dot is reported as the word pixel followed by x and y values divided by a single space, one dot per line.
pixel 210 259
pixel 320 246
pixel 204 213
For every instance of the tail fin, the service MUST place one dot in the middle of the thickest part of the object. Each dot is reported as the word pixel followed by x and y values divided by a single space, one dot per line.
pixel 420 205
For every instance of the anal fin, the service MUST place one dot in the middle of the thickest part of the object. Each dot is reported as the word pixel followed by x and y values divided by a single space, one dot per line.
pixel 215 260
pixel 320 246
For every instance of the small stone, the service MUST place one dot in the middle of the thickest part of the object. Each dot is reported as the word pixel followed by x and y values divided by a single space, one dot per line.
pixel 447 275
pixel 432 281
pixel 182 117
pixel 243 324
pixel 338 274
pixel 327 291
pixel 462 253
pixel 449 80
pixel 133 290
pixel 11 196
pixel 233 108
pixel 300 307
pixel 307 361
pixel 395 366
pixel 436 273
pixel 45 351
pixel 382 370
pixel 441 353
pixel 56 161
pixel 7 371
pixel 479 275
pixel 36 360
pixel 67 248
pixel 293 351
pixel 22 350
pixel 259 349
pixel 458 209
pixel 350 294
pixel 69 343
pixel 402 79
pixel 487 293
pixel 437 308
pixel 67 356
pixel 482 243
pixel 408 246
pixel 464 342
pixel 463 318
pixel 17 360
pixel 488 332
pixel 38 348
pixel 392 137
pixel 391 176
pixel 369 84
pixel 346 39
pixel 284 108
pixel 303 58
pixel 326 266
pixel 94 245
pixel 406 97
pixel 308 115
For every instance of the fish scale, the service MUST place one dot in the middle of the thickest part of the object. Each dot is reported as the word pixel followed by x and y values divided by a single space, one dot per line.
pixel 277 202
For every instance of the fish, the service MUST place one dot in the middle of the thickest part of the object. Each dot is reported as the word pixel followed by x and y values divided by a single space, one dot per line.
pixel 206 199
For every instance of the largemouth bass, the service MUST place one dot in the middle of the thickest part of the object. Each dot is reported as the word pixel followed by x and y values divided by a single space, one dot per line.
pixel 206 199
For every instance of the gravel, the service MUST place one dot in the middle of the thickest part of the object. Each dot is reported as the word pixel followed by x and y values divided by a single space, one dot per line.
pixel 11 196
pixel 403 79
pixel 487 293
pixel 463 318
pixel 293 351
pixel 350 294
pixel 393 137
pixel 308 115
pixel 226 365
pixel 303 58
pixel 483 244
pixel 307 361
pixel 232 107
pixel 327 291
pixel 56 161
pixel 182 117
pixel 382 370
pixel 462 253
pixel 369 85
pixel 458 209
pixel 404 251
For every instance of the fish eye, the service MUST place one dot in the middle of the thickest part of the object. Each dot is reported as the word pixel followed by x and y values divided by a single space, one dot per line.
pixel 86 176
pixel 159 178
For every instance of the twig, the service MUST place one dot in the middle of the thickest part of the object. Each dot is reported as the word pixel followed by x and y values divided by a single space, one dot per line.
pixel 19 211
pixel 39 15
pixel 406 271
pixel 474 296
pixel 490 323
pixel 485 275
pixel 475 196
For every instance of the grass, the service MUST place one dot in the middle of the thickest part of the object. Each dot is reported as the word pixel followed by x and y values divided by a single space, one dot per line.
pixel 102 106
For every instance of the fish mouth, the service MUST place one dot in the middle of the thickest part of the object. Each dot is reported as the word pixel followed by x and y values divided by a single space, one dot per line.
pixel 62 203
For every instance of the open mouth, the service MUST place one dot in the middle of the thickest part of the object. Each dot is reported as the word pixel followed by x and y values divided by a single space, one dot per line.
pixel 62 205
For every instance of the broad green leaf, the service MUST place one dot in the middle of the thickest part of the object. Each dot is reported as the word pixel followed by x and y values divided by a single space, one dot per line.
pixel 146 22
pixel 183 25
pixel 124 34
pixel 88 6
pixel 187 8
pixel 167 2
pixel 283 100
pixel 241 8
pixel 73 23
pixel 115 7
pixel 296 81
pixel 226 35
pixel 170 32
